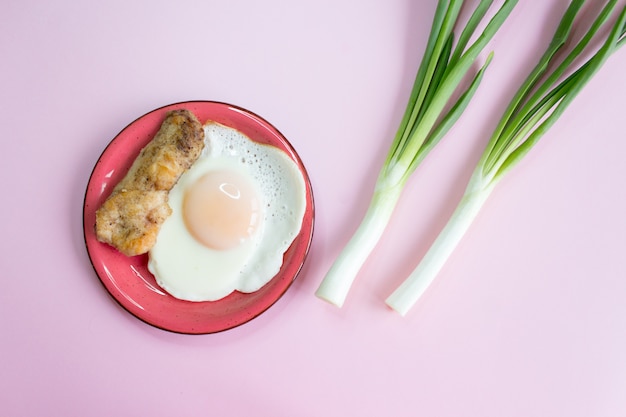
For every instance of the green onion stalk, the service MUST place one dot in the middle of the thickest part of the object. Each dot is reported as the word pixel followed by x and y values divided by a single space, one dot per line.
pixel 431 111
pixel 540 101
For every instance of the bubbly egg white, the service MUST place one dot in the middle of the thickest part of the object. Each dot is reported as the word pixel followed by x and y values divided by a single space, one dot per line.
pixel 191 271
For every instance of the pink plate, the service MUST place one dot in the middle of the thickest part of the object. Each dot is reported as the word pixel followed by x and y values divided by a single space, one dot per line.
pixel 128 280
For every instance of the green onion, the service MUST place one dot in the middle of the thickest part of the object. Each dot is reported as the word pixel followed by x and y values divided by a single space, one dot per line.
pixel 426 120
pixel 539 102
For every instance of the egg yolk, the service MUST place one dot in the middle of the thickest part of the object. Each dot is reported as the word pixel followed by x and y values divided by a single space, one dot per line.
pixel 221 209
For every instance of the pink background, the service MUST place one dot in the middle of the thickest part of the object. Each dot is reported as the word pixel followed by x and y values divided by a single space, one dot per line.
pixel 528 318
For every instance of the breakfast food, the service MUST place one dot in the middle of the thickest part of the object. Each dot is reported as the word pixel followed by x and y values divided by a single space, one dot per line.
pixel 214 210
pixel 235 213
pixel 131 217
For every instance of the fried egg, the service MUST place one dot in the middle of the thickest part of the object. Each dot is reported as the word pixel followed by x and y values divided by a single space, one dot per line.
pixel 235 213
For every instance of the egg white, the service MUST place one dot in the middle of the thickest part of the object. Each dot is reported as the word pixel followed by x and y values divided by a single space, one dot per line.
pixel 190 271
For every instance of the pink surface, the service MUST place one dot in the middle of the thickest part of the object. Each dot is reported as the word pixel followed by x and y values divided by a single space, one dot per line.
pixel 528 318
